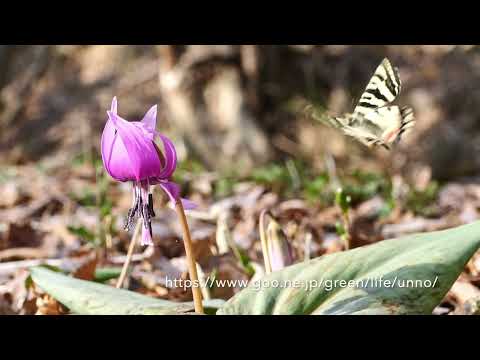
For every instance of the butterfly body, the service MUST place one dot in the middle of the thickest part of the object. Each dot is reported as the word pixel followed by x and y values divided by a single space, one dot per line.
pixel 374 121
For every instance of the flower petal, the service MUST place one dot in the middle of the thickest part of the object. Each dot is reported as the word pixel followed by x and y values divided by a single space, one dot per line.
pixel 114 154
pixel 173 192
pixel 143 156
pixel 170 156
pixel 113 108
pixel 150 119
pixel 188 204
pixel 168 159
pixel 146 238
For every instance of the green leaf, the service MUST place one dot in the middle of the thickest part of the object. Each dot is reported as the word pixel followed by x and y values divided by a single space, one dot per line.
pixel 316 188
pixel 362 186
pixel 341 231
pixel 90 298
pixel 422 202
pixel 343 200
pixel 433 261
pixel 224 187
pixel 106 209
pixel 82 232
pixel 107 273
pixel 270 174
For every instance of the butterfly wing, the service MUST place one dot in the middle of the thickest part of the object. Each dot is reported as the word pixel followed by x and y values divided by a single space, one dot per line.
pixel 369 129
pixel 374 122
pixel 323 117
pixel 383 123
pixel 347 124
pixel 387 124
pixel 383 88
pixel 361 134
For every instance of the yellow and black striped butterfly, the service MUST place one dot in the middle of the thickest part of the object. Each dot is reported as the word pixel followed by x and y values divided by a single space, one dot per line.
pixel 374 122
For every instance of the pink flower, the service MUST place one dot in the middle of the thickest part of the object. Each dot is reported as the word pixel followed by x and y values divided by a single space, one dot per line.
pixel 129 153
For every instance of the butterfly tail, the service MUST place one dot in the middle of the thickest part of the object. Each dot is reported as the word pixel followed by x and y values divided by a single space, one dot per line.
pixel 407 121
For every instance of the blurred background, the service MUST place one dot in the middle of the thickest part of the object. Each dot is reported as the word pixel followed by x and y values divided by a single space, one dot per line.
pixel 236 114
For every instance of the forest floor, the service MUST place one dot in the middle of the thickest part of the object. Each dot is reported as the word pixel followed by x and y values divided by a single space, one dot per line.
pixel 72 219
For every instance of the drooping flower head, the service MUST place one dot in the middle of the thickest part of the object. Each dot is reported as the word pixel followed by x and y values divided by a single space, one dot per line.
pixel 129 153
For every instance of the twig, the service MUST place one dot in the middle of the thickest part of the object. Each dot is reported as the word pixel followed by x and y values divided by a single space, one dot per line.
pixel 192 267
pixel 131 247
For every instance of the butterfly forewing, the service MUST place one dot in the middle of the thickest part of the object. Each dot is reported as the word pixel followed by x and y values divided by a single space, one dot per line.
pixel 383 88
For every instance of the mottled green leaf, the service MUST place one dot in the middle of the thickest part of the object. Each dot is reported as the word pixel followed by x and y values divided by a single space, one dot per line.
pixel 90 298
pixel 433 261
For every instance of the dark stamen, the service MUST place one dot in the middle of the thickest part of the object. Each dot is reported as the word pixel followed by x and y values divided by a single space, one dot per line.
pixel 146 219
pixel 126 225
pixel 150 205
pixel 132 213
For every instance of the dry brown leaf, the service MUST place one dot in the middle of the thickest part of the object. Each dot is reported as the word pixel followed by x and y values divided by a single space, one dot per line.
pixel 463 291
pixel 86 271
pixel 22 235
pixel 47 305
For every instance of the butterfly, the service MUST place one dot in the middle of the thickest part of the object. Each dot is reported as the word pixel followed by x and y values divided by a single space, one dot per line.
pixel 374 121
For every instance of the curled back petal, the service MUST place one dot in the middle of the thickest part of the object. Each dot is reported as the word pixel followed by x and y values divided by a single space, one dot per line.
pixel 173 192
pixel 144 160
pixel 188 204
pixel 170 158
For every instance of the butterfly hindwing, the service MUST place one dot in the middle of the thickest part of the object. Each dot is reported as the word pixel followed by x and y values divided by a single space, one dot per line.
pixel 378 127
pixel 387 124
pixel 361 134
